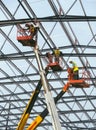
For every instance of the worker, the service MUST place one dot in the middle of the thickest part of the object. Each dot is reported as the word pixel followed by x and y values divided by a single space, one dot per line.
pixel 75 70
pixel 57 54
pixel 50 57
pixel 32 28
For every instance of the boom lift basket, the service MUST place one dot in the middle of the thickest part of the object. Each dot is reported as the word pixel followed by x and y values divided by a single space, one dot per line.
pixel 79 83
pixel 25 38
pixel 56 66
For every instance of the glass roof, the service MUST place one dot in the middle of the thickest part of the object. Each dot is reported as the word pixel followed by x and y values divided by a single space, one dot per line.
pixel 68 25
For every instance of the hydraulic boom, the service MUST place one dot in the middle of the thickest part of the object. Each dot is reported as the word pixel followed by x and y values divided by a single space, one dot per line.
pixel 38 120
pixel 30 105
pixel 74 83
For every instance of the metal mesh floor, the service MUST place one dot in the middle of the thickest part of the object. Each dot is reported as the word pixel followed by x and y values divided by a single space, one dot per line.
pixel 19 73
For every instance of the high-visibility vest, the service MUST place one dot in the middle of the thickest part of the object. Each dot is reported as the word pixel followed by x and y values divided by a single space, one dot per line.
pixel 75 67
pixel 57 52
pixel 31 28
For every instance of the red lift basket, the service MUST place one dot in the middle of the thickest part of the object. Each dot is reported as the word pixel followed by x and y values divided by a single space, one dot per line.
pixel 24 38
pixel 78 83
pixel 55 66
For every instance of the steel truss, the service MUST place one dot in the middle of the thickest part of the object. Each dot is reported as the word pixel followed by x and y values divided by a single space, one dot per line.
pixel 19 73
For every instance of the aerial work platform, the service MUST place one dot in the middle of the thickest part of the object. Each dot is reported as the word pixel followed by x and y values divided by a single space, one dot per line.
pixel 80 83
pixel 75 83
pixel 55 66
pixel 28 42
pixel 25 39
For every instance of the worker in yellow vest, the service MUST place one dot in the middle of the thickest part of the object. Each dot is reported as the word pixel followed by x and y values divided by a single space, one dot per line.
pixel 75 70
pixel 57 53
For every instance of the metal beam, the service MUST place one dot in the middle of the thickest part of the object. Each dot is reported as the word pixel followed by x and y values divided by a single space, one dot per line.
pixel 14 57
pixel 58 18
